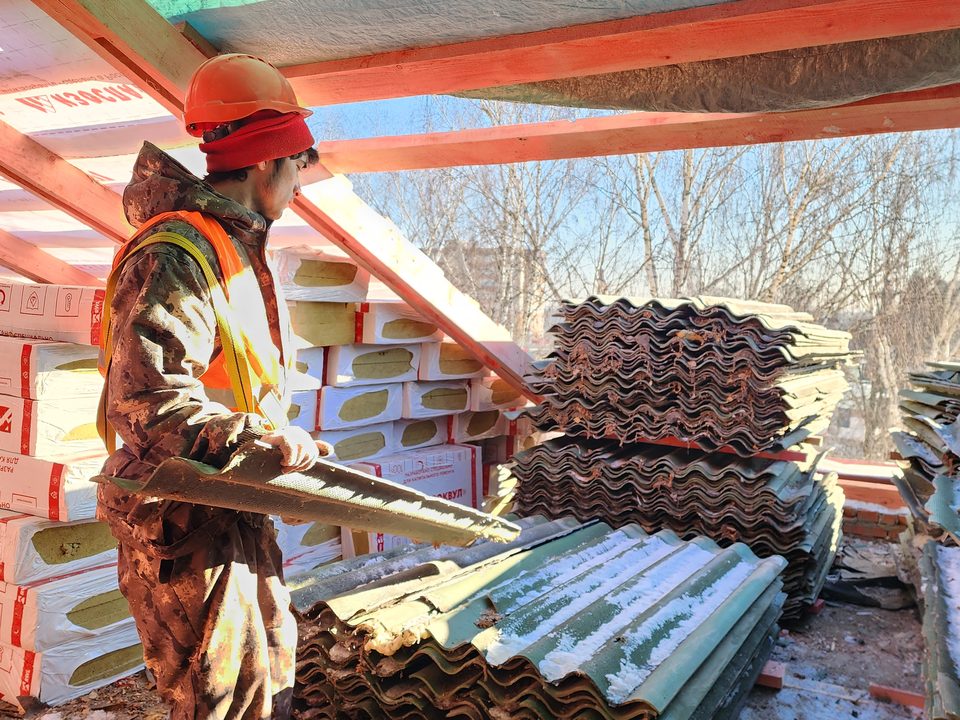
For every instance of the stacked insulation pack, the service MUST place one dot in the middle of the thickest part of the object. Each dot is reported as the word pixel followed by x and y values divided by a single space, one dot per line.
pixel 384 387
pixel 929 449
pixel 722 386
pixel 64 627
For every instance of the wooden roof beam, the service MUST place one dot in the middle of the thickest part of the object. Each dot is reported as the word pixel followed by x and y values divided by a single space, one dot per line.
pixel 642 132
pixel 730 29
pixel 40 266
pixel 30 165
pixel 140 43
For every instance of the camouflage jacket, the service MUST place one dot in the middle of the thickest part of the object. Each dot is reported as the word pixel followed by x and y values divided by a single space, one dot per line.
pixel 164 333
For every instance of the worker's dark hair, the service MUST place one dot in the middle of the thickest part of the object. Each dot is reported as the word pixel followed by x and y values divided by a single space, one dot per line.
pixel 310 155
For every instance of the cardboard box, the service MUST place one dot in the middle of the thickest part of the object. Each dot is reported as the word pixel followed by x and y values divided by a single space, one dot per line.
pixel 342 408
pixel 418 433
pixel 306 546
pixel 34 549
pixel 43 428
pixel 304 401
pixel 56 488
pixel 319 324
pixel 73 669
pixel 432 399
pixel 473 426
pixel 448 361
pixel 350 365
pixel 494 393
pixel 44 615
pixel 390 323
pixel 312 361
pixel 370 441
pixel 45 369
pixel 452 472
pixel 52 312
pixel 307 273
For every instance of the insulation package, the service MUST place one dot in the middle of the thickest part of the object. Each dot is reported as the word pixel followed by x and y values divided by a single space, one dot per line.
pixel 44 369
pixel 451 472
pixel 73 669
pixel 57 488
pixel 44 428
pixel 473 426
pixel 34 549
pixel 350 365
pixel 369 441
pixel 448 361
pixel 418 433
pixel 307 273
pixel 307 545
pixel 342 408
pixel 312 361
pixel 304 400
pixel 67 313
pixel 319 324
pixel 78 606
pixel 494 393
pixel 432 399
pixel 392 323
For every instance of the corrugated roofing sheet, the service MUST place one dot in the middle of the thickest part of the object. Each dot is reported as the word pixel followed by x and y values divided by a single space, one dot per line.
pixel 940 570
pixel 569 620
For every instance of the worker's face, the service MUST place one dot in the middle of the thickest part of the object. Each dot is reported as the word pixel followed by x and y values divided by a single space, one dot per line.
pixel 277 184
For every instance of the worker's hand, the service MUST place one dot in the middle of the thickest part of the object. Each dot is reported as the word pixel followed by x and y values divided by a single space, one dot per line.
pixel 300 451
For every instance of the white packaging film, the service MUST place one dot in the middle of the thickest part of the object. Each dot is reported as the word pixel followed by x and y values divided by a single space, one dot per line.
pixel 311 361
pixel 494 393
pixel 34 549
pixel 307 273
pixel 472 426
pixel 304 399
pixel 448 361
pixel 432 399
pixel 52 312
pixel 369 441
pixel 307 545
pixel 343 408
pixel 419 433
pixel 44 428
pixel 392 323
pixel 45 369
pixel 452 472
pixel 358 364
pixel 57 488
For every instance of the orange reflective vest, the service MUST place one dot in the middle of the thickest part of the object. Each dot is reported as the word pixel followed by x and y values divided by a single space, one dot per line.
pixel 250 364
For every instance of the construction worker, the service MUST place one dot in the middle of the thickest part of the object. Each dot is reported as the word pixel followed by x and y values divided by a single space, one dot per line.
pixel 196 357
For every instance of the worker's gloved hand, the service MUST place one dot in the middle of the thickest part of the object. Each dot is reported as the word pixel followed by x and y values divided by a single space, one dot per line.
pixel 300 451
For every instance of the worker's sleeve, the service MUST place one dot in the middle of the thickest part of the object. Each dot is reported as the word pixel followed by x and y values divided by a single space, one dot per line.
pixel 164 332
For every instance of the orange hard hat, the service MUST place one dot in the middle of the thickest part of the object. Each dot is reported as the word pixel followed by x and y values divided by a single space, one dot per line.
pixel 231 87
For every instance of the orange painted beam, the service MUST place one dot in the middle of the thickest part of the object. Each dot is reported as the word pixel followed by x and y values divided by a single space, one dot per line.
pixel 40 266
pixel 729 29
pixel 642 132
pixel 30 165
pixel 875 493
pixel 140 43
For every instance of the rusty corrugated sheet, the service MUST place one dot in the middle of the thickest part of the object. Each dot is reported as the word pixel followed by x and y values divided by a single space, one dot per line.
pixel 776 507
pixel 717 372
pixel 930 448
pixel 569 621
pixel 940 570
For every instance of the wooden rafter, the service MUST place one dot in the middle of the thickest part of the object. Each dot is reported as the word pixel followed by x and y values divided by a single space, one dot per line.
pixel 30 165
pixel 38 265
pixel 730 29
pixel 642 132
pixel 139 42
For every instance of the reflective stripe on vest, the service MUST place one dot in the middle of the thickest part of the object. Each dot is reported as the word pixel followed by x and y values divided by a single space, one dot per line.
pixel 250 363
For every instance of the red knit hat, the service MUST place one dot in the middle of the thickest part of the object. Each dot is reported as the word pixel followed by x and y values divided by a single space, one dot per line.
pixel 268 138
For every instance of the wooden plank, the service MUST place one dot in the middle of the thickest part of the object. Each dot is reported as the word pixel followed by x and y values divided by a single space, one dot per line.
pixel 904 697
pixel 642 132
pixel 874 493
pixel 27 163
pixel 718 31
pixel 138 41
pixel 40 266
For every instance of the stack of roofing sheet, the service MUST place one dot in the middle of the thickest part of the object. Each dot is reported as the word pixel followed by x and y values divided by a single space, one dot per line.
pixel 930 447
pixel 776 507
pixel 940 570
pixel 568 621
pixel 713 371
